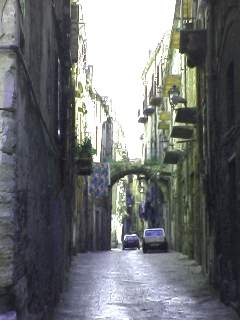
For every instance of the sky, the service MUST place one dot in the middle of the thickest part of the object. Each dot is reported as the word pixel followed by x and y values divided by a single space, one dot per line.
pixel 120 34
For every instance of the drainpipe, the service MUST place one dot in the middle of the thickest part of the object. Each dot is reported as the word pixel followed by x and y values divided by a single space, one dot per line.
pixel 210 78
pixel 210 110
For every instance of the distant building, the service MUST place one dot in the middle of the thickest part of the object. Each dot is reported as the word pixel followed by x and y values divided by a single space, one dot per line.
pixel 155 132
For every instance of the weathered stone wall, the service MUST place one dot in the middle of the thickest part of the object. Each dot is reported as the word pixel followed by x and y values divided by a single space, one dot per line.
pixel 35 146
pixel 82 212
pixel 224 121
pixel 7 154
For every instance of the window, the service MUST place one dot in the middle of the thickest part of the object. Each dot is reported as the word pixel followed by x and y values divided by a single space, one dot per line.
pixel 154 233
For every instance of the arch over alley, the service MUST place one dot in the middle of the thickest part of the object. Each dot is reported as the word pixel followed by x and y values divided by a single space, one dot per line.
pixel 146 205
pixel 120 169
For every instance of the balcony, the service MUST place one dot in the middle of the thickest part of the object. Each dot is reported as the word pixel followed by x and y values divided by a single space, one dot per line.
pixel 182 132
pixel 84 166
pixel 149 110
pixel 141 117
pixel 193 44
pixel 173 156
pixel 164 122
pixel 155 100
pixel 186 115
pixel 165 116
pixel 163 125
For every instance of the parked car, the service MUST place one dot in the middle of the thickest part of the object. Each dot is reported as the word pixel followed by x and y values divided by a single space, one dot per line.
pixel 131 241
pixel 154 238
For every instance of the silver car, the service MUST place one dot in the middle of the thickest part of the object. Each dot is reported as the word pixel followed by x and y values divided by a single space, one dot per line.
pixel 154 238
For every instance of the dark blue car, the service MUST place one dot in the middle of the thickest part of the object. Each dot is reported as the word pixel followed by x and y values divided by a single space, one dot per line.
pixel 131 241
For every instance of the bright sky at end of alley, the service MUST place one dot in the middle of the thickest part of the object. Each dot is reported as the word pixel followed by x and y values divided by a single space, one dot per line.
pixel 120 34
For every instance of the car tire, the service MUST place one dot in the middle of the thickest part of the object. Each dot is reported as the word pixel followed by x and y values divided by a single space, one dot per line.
pixel 144 249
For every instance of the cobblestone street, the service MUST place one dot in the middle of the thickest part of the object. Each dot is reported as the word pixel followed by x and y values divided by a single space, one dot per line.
pixel 130 285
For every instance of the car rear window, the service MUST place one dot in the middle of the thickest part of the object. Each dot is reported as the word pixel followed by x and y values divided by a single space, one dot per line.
pixel 131 237
pixel 153 233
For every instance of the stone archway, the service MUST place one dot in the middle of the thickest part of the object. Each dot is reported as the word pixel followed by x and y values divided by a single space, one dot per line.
pixel 151 172
pixel 156 199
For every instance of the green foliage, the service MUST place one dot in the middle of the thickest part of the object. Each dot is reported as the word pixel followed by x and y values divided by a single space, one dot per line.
pixel 152 163
pixel 151 169
pixel 84 149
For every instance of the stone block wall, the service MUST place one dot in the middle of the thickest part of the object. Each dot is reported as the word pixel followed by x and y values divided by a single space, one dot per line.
pixel 7 152
pixel 223 65
pixel 35 157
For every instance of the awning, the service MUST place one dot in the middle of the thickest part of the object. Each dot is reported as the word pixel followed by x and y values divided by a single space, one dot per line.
pixel 169 81
pixel 173 156
pixel 186 115
pixel 183 132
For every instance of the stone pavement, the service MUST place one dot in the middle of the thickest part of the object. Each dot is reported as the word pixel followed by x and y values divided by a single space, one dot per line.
pixel 130 285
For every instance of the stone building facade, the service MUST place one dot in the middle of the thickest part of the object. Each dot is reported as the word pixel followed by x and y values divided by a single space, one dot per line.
pixel 36 177
pixel 184 88
pixel 155 134
pixel 93 119
pixel 210 47
pixel 223 22
pixel 206 177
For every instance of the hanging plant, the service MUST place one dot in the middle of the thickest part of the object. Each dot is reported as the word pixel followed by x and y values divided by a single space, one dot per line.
pixel 83 155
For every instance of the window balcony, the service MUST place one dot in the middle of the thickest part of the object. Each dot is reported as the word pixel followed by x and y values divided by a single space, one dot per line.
pixel 193 44
pixel 165 116
pixel 155 100
pixel 141 117
pixel 186 115
pixel 163 125
pixel 182 132
pixel 149 110
pixel 173 156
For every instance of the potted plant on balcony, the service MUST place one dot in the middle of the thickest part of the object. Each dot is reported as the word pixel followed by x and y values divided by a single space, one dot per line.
pixel 84 157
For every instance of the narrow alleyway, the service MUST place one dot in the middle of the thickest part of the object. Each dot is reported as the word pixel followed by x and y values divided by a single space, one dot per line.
pixel 128 285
